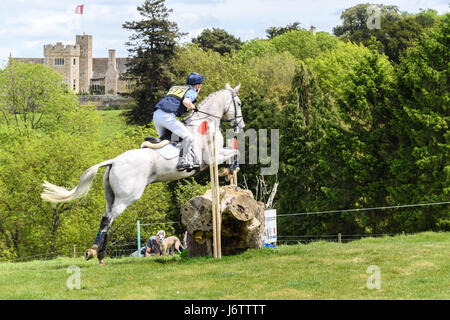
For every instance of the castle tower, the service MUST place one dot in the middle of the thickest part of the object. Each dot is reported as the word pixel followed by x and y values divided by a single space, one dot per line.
pixel 112 74
pixel 85 67
pixel 65 60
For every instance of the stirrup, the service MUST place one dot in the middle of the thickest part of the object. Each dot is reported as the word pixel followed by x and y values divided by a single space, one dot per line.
pixel 183 164
pixel 187 166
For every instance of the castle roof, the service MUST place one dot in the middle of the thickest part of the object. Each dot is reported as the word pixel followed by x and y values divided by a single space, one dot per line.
pixel 100 66
pixel 32 60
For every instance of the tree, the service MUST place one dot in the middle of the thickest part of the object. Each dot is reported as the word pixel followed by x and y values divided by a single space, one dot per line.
pixel 217 69
pixel 422 122
pixel 395 33
pixel 152 46
pixel 355 19
pixel 217 40
pixel 358 148
pixel 276 31
pixel 255 48
pixel 304 44
pixel 303 124
pixel 32 97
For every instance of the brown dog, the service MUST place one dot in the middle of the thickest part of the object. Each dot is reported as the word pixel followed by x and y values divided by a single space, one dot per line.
pixel 171 243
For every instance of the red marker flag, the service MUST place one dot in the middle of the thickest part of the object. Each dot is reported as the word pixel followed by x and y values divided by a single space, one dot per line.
pixel 79 9
pixel 202 128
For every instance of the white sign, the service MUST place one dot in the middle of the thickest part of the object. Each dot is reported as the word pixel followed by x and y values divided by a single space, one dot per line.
pixel 270 226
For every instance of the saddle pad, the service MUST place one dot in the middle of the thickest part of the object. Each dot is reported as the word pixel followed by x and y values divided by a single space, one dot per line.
pixel 169 151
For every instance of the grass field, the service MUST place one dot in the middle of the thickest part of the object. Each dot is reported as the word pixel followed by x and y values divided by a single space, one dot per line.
pixel 112 123
pixel 410 267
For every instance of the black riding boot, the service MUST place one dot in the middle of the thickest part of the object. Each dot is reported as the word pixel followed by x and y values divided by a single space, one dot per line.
pixel 183 163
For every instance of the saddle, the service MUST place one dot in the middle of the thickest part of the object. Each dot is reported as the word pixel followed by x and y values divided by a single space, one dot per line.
pixel 167 148
pixel 157 143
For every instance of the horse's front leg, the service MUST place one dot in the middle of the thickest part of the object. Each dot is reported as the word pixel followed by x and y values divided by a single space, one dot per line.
pixel 226 154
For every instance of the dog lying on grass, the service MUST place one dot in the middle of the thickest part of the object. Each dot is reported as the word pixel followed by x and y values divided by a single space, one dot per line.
pixel 171 244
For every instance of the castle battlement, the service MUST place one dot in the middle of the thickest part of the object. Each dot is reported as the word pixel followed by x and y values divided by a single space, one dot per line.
pixel 60 49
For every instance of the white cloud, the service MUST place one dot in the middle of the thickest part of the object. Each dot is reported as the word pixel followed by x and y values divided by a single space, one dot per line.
pixel 26 25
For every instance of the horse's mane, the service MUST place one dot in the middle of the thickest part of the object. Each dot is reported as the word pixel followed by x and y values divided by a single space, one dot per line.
pixel 201 104
pixel 210 97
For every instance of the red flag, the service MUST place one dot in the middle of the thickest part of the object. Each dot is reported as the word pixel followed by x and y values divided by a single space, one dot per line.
pixel 79 9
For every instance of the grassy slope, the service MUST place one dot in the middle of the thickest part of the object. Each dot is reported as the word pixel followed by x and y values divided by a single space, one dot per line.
pixel 112 123
pixel 412 267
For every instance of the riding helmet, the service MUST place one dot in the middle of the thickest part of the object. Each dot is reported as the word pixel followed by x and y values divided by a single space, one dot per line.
pixel 194 78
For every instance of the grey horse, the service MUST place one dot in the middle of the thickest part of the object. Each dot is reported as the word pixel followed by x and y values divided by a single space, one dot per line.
pixel 128 174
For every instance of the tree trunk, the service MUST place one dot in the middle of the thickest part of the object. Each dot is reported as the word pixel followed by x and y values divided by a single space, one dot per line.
pixel 242 222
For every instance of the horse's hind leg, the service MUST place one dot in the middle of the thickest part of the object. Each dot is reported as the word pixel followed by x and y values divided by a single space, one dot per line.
pixel 99 247
pixel 101 238
pixel 124 184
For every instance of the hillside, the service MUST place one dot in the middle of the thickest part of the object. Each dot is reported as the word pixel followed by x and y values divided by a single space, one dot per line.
pixel 410 267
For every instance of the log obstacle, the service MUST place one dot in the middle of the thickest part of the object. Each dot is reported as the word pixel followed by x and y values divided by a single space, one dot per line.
pixel 225 220
pixel 242 222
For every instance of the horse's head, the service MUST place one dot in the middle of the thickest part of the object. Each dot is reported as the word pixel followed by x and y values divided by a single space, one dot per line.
pixel 233 110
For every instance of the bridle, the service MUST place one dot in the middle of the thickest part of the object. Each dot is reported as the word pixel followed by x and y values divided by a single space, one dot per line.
pixel 233 101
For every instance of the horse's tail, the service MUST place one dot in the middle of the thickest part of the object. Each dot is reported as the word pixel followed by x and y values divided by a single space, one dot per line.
pixel 57 194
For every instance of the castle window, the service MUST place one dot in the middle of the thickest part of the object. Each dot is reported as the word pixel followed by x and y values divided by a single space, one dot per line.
pixel 59 61
pixel 74 84
pixel 74 61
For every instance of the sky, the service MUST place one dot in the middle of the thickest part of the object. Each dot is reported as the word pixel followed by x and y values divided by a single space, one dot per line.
pixel 26 25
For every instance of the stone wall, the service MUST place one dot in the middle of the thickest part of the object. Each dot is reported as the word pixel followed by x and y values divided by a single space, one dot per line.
pixel 102 101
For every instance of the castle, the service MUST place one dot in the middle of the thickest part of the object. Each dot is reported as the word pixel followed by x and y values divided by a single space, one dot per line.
pixel 82 73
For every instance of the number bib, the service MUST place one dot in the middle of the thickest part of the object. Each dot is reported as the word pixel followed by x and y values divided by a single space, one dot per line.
pixel 178 91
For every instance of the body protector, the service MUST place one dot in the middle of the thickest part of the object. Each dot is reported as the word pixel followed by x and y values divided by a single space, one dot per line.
pixel 173 101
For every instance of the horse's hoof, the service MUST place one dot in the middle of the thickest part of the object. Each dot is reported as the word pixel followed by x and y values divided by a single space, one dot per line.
pixel 89 254
pixel 101 262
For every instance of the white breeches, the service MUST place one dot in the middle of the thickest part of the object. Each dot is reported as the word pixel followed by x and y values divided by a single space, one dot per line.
pixel 167 121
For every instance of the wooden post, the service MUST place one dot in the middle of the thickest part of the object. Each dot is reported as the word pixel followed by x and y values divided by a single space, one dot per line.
pixel 217 200
pixel 74 255
pixel 214 173
pixel 235 176
pixel 339 238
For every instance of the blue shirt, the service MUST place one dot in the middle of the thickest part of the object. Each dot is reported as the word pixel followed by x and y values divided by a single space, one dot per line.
pixel 191 94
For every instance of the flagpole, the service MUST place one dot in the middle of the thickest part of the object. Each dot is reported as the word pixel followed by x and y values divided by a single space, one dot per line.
pixel 80 10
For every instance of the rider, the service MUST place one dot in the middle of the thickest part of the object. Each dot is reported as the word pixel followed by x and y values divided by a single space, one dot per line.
pixel 176 102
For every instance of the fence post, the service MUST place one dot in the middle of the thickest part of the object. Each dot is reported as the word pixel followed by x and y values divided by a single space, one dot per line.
pixel 74 255
pixel 139 238
pixel 339 238
pixel 213 171
pixel 217 200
